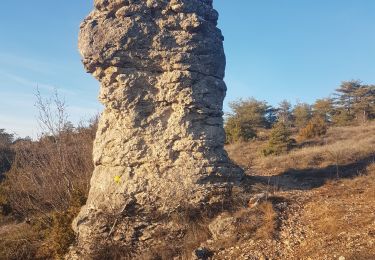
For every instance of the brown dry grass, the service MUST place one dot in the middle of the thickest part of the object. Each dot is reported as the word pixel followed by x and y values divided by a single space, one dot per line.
pixel 269 218
pixel 338 215
pixel 341 145
pixel 342 217
pixel 18 242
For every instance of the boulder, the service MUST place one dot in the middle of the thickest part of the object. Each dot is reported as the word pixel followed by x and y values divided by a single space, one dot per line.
pixel 160 138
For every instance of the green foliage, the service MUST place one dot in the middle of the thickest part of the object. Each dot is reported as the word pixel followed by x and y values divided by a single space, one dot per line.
pixel 284 113
pixel 60 235
pixel 345 95
pixel 247 116
pixel 342 117
pixel 238 131
pixel 364 105
pixel 47 237
pixel 354 102
pixel 316 127
pixel 323 108
pixel 5 208
pixel 279 141
pixel 6 152
pixel 301 114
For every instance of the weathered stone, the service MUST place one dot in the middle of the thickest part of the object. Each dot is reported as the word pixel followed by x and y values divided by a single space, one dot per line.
pixel 160 138
pixel 223 227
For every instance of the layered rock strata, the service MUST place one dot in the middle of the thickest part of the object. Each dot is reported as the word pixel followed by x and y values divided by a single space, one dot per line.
pixel 160 139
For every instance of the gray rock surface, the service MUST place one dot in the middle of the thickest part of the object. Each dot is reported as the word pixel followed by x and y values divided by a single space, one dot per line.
pixel 160 138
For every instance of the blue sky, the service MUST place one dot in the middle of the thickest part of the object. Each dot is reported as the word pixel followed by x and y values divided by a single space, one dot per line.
pixel 291 49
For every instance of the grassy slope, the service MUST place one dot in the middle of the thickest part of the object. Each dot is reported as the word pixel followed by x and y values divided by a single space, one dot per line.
pixel 329 187
pixel 310 214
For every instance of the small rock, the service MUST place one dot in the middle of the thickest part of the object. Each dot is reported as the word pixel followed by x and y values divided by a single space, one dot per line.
pixel 203 253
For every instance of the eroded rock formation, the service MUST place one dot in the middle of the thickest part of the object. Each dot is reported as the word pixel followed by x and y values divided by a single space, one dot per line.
pixel 159 144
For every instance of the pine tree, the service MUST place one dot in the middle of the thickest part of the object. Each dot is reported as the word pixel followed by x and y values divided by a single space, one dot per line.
pixel 247 116
pixel 364 105
pixel 344 102
pixel 284 113
pixel 6 153
pixel 279 141
pixel 301 114
pixel 323 108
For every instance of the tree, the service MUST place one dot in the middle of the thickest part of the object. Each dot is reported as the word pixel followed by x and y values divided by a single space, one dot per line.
pixel 354 102
pixel 341 118
pixel 364 105
pixel 237 130
pixel 53 117
pixel 284 113
pixel 346 95
pixel 246 117
pixel 323 108
pixel 301 114
pixel 6 152
pixel 279 140
pixel 344 102
pixel 5 138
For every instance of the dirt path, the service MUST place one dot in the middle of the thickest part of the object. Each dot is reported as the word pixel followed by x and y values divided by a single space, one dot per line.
pixel 316 219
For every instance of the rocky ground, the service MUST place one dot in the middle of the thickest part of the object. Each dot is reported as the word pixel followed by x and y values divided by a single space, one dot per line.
pixel 324 211
pixel 308 229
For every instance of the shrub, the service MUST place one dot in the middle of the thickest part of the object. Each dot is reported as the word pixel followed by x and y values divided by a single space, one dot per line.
pixel 238 131
pixel 5 208
pixel 46 173
pixel 279 141
pixel 20 242
pixel 60 235
pixel 46 185
pixel 316 127
pixel 247 116
pixel 45 237
pixel 6 152
pixel 301 114
pixel 342 118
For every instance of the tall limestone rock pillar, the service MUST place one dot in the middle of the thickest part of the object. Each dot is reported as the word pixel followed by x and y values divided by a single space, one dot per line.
pixel 160 139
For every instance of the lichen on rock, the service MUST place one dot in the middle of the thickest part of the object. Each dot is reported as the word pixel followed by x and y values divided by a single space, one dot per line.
pixel 160 139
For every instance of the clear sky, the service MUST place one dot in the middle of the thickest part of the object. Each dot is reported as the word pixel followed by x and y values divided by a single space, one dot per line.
pixel 290 49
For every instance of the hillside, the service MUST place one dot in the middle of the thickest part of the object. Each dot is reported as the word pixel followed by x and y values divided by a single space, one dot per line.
pixel 315 202
pixel 323 197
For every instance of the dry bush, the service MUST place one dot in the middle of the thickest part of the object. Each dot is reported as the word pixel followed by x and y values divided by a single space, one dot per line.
pixel 244 153
pixel 59 234
pixel 38 239
pixel 258 222
pixel 269 216
pixel 315 128
pixel 47 184
pixel 47 173
pixel 19 242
